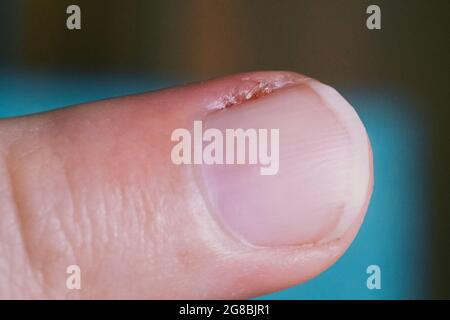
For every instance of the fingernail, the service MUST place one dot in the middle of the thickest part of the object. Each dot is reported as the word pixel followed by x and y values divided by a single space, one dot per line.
pixel 321 183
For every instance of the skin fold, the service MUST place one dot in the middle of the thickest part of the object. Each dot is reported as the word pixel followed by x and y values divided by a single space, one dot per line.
pixel 93 185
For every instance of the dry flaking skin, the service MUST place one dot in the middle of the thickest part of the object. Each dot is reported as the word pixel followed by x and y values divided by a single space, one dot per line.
pixel 252 88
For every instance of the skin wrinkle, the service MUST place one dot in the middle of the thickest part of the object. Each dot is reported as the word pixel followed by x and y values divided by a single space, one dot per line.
pixel 36 223
pixel 8 225
pixel 69 221
pixel 78 218
pixel 20 223
pixel 97 218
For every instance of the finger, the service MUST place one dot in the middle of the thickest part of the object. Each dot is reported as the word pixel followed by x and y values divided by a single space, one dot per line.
pixel 100 186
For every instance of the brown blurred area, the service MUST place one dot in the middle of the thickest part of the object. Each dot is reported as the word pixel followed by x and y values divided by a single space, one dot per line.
pixel 205 38
pixel 326 39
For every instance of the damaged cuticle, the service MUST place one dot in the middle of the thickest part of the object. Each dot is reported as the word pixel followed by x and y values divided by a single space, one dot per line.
pixel 254 88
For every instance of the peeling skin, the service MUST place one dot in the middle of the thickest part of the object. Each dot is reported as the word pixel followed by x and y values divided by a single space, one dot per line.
pixel 252 88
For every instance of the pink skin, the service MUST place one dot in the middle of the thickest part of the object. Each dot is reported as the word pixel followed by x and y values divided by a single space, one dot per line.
pixel 94 186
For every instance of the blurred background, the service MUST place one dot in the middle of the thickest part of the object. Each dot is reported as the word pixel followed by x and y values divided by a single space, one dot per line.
pixel 397 78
